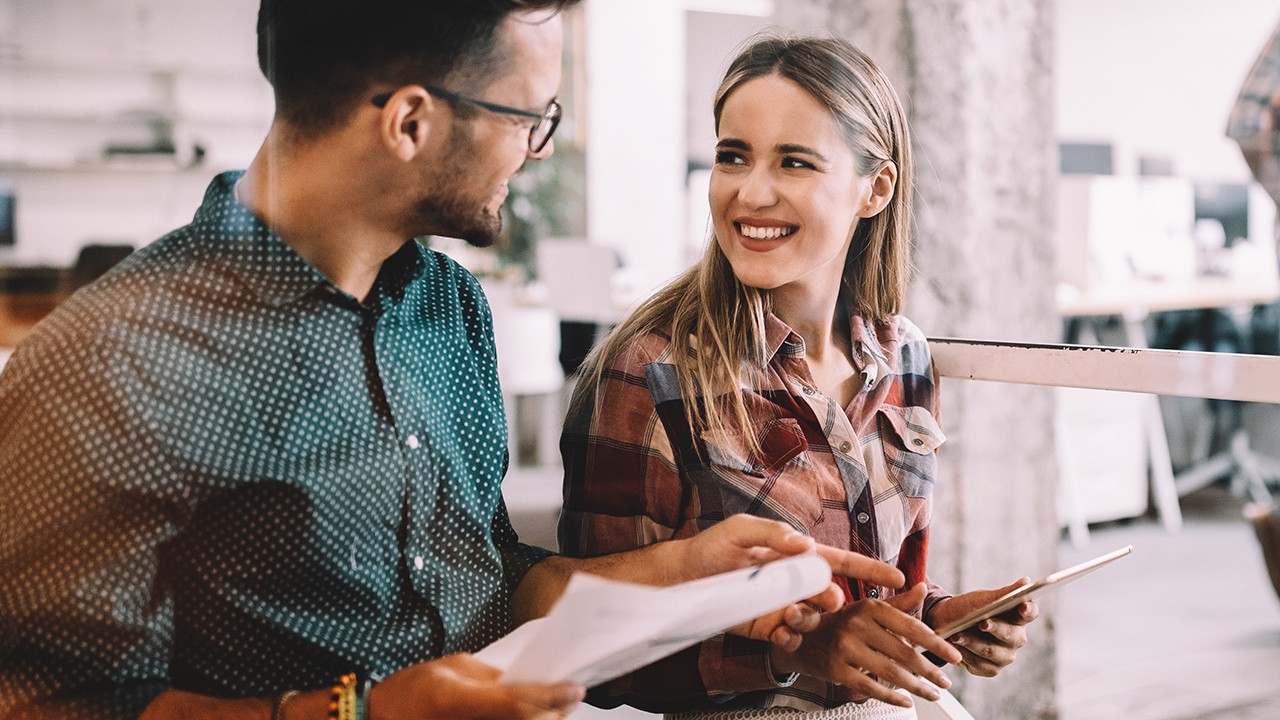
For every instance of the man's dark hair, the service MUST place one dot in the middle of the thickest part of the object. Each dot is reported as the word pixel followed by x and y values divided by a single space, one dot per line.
pixel 322 56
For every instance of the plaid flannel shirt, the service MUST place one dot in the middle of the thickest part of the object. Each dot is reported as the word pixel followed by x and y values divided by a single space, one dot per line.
pixel 1253 117
pixel 859 477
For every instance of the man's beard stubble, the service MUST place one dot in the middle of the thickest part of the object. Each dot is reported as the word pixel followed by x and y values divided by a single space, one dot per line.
pixel 445 208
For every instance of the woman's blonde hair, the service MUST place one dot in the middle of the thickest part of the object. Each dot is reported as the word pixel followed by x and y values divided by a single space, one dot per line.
pixel 717 323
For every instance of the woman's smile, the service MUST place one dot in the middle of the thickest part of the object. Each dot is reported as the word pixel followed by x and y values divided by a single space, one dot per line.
pixel 763 235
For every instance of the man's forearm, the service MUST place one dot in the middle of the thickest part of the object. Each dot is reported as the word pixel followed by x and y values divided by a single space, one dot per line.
pixel 658 564
pixel 176 704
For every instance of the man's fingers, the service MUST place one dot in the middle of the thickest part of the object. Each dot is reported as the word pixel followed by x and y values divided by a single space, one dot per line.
pixel 748 531
pixel 801 618
pixel 558 698
pixel 829 600
pixel 850 564
pixel 786 639
pixel 467 665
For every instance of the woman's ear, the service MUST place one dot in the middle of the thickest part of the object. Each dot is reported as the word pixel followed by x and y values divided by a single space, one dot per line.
pixel 883 183
pixel 405 123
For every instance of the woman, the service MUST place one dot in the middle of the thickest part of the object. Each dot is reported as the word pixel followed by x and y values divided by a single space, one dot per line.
pixel 776 378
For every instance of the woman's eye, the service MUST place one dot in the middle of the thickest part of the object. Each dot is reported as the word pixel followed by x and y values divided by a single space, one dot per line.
pixel 725 157
pixel 794 163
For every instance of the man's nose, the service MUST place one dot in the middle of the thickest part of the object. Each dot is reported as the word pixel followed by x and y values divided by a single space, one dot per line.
pixel 545 152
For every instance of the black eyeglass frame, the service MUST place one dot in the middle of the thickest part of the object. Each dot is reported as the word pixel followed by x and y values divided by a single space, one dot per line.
pixel 538 137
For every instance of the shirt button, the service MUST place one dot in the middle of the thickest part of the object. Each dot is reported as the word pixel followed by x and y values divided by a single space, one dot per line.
pixel 917 442
pixel 807 390
pixel 417 562
pixel 863 517
pixel 412 442
pixel 846 446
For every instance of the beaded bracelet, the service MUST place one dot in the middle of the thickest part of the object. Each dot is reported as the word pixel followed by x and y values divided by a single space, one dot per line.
pixel 342 704
pixel 347 699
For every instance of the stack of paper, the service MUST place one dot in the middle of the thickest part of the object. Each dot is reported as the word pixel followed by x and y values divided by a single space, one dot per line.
pixel 601 629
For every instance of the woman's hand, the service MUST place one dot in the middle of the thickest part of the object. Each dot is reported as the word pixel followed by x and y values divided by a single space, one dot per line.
pixel 991 645
pixel 743 540
pixel 869 643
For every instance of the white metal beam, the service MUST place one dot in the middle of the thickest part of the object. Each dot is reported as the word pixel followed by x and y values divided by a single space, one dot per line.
pixel 1226 376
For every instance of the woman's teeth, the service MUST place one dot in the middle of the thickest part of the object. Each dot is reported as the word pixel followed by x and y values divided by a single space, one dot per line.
pixel 765 233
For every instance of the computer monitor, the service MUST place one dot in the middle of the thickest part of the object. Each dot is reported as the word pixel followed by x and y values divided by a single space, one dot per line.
pixel 1228 203
pixel 7 220
pixel 1081 158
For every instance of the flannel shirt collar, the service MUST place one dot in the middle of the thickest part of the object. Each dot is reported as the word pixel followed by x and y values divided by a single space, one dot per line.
pixel 873 342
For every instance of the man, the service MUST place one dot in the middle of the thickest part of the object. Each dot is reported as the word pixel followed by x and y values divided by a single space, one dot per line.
pixel 264 452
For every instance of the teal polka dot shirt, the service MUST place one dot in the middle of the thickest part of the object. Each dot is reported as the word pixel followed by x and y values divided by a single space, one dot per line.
pixel 223 474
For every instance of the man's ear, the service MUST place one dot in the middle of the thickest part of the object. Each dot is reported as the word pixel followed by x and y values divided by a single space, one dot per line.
pixel 406 121
pixel 883 183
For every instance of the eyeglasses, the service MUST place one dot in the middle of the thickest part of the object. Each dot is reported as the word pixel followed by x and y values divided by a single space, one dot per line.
pixel 539 133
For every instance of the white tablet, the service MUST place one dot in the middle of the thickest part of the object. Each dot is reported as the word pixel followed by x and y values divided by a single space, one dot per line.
pixel 1011 599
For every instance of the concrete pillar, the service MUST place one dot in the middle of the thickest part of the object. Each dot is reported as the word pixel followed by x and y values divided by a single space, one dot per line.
pixel 976 78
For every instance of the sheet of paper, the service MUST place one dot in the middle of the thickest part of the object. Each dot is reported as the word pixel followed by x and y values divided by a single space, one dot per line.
pixel 600 629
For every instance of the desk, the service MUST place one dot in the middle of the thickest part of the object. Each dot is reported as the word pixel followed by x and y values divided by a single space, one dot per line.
pixel 1134 302
pixel 1146 296
pixel 27 294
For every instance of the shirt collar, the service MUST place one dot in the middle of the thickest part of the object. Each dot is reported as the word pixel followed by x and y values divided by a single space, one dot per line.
pixel 255 254
pixel 779 337
pixel 879 339
pixel 269 266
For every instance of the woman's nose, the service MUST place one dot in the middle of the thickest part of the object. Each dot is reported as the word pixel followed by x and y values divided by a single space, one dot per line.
pixel 757 189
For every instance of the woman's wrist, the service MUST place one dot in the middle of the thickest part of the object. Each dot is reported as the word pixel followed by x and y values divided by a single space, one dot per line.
pixel 782 662
pixel 931 608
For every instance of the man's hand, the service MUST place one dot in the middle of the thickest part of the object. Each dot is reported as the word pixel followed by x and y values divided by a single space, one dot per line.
pixel 737 542
pixel 991 645
pixel 869 643
pixel 745 540
pixel 459 687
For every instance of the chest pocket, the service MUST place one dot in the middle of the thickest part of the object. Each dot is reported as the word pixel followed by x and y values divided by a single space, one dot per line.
pixel 911 436
pixel 744 481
